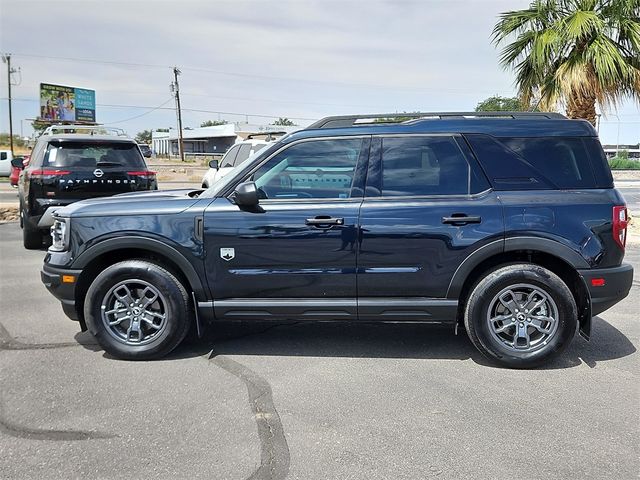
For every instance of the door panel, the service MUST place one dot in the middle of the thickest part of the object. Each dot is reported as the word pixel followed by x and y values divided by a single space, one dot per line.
pixel 295 254
pixel 276 255
pixel 427 208
pixel 407 251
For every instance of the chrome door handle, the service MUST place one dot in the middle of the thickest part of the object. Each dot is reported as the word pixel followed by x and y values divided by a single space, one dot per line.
pixel 461 219
pixel 324 221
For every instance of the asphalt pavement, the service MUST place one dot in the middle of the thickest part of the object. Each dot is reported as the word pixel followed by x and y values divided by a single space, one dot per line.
pixel 307 400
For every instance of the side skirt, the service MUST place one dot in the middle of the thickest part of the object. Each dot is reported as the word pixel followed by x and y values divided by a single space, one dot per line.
pixel 410 309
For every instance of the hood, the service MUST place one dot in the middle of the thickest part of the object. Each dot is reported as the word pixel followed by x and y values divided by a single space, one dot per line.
pixel 157 202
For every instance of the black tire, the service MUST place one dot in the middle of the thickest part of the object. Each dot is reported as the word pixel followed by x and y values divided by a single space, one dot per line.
pixel 173 297
pixel 514 278
pixel 31 236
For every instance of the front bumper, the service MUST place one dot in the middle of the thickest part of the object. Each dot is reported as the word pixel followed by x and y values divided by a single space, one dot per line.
pixel 607 286
pixel 52 278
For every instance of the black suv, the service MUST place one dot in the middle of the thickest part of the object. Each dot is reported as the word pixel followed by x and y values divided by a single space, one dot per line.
pixel 66 167
pixel 506 223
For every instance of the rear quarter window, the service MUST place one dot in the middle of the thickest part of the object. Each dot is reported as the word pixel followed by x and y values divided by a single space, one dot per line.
pixel 534 163
pixel 564 161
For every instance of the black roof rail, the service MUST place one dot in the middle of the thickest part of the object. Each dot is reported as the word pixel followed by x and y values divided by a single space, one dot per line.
pixel 267 134
pixel 340 121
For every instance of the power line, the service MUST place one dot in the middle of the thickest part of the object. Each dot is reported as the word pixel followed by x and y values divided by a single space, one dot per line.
pixel 147 107
pixel 251 75
pixel 90 60
pixel 142 114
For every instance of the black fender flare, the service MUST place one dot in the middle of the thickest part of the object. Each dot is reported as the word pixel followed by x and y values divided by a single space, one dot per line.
pixel 151 245
pixel 511 244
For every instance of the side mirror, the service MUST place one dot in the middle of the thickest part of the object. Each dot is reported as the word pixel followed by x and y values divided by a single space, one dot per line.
pixel 246 195
pixel 214 164
pixel 17 162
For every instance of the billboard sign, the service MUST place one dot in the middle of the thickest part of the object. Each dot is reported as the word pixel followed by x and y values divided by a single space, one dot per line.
pixel 71 104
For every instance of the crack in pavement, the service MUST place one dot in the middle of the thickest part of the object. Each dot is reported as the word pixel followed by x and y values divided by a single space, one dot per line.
pixel 21 431
pixel 274 451
pixel 7 342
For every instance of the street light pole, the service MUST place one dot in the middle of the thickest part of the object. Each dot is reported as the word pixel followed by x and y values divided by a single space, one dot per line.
pixel 176 88
pixel 7 59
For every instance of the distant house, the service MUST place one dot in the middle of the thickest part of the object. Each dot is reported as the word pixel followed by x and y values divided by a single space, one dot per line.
pixel 214 140
pixel 612 150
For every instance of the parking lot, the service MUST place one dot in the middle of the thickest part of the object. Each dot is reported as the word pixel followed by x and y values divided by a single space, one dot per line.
pixel 306 400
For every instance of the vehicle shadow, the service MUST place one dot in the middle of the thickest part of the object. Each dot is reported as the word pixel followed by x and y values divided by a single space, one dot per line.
pixel 383 340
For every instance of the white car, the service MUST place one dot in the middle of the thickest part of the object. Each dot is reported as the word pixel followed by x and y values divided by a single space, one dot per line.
pixel 5 163
pixel 235 156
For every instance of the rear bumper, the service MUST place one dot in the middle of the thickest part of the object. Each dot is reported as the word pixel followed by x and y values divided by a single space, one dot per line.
pixel 64 291
pixel 607 286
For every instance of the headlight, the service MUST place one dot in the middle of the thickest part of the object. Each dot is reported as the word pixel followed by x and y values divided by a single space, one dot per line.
pixel 60 234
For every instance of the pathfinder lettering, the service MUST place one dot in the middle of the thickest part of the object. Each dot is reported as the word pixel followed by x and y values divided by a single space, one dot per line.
pixel 99 181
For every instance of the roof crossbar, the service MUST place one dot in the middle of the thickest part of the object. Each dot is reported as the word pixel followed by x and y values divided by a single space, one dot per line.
pixel 84 129
pixel 341 121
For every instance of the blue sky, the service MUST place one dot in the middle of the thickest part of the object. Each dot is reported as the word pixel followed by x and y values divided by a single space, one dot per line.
pixel 299 59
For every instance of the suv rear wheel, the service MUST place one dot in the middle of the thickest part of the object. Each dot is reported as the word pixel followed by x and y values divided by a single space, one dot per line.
pixel 31 236
pixel 137 310
pixel 521 315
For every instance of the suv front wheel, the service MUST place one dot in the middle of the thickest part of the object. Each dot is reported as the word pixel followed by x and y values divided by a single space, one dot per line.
pixel 137 310
pixel 521 315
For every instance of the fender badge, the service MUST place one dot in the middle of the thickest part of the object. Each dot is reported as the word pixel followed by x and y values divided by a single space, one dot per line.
pixel 227 254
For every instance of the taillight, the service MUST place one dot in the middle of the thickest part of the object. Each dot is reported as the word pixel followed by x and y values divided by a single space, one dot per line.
pixel 620 223
pixel 142 173
pixel 45 172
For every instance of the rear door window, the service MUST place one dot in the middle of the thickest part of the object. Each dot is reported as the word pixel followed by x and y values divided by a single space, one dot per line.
pixel 424 166
pixel 94 155
pixel 243 154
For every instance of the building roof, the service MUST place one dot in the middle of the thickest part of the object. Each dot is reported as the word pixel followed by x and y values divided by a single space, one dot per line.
pixel 227 130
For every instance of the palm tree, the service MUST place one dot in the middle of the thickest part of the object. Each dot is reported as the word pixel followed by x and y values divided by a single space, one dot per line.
pixel 573 52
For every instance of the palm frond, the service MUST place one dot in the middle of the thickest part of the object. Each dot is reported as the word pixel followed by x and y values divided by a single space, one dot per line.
pixel 568 51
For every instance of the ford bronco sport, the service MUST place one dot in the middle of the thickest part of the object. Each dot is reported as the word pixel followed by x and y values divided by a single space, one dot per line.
pixel 507 224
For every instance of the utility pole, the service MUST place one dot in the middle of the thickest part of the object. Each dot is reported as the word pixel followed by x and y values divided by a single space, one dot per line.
pixel 7 59
pixel 175 88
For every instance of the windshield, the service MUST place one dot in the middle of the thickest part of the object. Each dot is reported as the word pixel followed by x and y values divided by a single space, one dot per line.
pixel 218 186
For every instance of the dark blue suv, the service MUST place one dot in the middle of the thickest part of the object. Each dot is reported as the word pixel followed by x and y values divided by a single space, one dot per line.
pixel 506 223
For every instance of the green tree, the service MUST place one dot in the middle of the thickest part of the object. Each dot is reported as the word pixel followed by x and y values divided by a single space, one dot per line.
pixel 144 136
pixel 39 127
pixel 501 104
pixel 573 52
pixel 623 155
pixel 213 123
pixel 284 122
pixel 164 130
